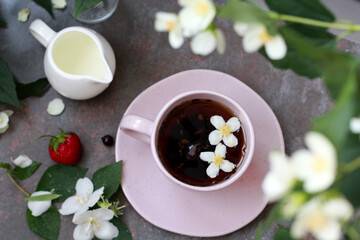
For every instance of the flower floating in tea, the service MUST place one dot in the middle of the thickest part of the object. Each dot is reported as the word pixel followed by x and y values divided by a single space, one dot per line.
pixel 224 131
pixel 217 161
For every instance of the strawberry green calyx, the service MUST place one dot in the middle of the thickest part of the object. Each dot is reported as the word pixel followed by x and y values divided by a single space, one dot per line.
pixel 56 140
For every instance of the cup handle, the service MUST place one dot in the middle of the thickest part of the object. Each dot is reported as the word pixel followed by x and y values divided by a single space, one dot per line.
pixel 137 127
pixel 42 32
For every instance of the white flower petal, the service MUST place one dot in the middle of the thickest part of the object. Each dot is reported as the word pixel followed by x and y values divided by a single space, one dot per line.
pixel 82 209
pixel 196 16
pixel 207 156
pixel 38 207
pixel 176 38
pixel 162 20
pixel 322 146
pixel 94 198
pixel 281 177
pixel 302 160
pixel 274 188
pixel 215 137
pixel 56 107
pixel 106 230
pixel 23 15
pixel 83 232
pixel 227 166
pixel 234 124
pixel 217 121
pixel 4 119
pixel 220 150
pixel 230 140
pixel 203 43
pixel 338 208
pixel 184 3
pixel 59 4
pixel 212 170
pixel 3 130
pixel 251 41
pixel 84 186
pixel 103 214
pixel 83 217
pixel 298 228
pixel 355 125
pixel 276 48
pixel 241 28
pixel 9 112
pixel 221 42
pixel 69 206
pixel 319 182
pixel 23 161
pixel 332 231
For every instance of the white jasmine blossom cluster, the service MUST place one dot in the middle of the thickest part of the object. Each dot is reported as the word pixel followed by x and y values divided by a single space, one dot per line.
pixel 315 168
pixel 90 223
pixel 255 36
pixel 193 21
pixel 223 132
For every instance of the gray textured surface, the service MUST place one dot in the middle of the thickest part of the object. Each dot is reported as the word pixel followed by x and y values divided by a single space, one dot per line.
pixel 143 58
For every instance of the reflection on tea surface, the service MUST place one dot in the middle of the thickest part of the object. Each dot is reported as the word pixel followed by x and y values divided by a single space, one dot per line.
pixel 183 135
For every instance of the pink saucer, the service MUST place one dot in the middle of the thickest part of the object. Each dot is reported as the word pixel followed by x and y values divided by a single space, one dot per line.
pixel 184 211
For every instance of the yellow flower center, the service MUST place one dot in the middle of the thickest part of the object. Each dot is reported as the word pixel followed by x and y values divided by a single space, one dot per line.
pixel 170 25
pixel 316 221
pixel 319 163
pixel 218 160
pixel 201 8
pixel 94 224
pixel 265 36
pixel 225 130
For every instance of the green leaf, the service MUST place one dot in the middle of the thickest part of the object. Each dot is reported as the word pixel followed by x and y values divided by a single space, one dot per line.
pixel 352 230
pixel 274 216
pixel 23 173
pixel 108 177
pixel 350 189
pixel 2 23
pixel 6 166
pixel 47 225
pixel 7 86
pixel 44 197
pixel 243 11
pixel 124 233
pixel 259 231
pixel 83 5
pixel 36 88
pixel 312 9
pixel 282 233
pixel 47 5
pixel 62 178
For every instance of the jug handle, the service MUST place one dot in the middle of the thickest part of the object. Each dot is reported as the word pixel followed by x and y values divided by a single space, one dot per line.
pixel 42 32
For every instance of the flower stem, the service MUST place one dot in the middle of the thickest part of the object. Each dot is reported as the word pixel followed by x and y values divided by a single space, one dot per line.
pixel 17 185
pixel 347 26
pixel 351 166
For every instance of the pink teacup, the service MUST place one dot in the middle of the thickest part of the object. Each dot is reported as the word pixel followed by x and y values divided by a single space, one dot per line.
pixel 147 130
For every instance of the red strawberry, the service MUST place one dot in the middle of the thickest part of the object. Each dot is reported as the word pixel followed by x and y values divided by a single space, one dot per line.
pixel 65 148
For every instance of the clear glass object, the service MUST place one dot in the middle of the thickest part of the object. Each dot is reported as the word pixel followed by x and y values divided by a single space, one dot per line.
pixel 100 12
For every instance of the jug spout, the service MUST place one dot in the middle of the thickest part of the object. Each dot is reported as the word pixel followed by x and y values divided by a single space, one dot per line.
pixel 107 75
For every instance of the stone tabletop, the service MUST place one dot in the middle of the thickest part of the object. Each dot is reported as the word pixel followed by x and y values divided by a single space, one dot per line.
pixel 143 58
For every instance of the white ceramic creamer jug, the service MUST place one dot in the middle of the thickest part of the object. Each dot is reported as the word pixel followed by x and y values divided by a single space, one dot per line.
pixel 79 63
